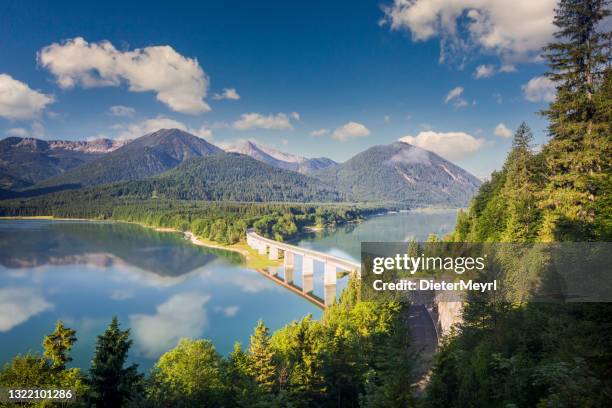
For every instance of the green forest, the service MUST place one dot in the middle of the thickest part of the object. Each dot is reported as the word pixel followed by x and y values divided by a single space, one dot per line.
pixel 523 354
pixel 503 354
pixel 342 360
pixel 224 223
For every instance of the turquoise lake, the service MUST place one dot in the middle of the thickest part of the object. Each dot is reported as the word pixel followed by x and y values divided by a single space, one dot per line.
pixel 157 283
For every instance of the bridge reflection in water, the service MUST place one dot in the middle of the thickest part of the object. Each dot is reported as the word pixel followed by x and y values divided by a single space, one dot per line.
pixel 332 265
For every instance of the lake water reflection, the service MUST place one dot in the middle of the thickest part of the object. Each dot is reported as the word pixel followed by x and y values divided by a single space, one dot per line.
pixel 345 240
pixel 159 285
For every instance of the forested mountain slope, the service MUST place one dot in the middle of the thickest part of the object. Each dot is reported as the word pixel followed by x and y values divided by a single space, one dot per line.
pixel 280 159
pixel 145 156
pixel 400 172
pixel 27 161
pixel 527 353
pixel 222 177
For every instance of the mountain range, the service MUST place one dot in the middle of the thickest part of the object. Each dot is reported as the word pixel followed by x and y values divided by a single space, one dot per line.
pixel 174 164
pixel 26 161
pixel 402 173
pixel 280 159
pixel 143 157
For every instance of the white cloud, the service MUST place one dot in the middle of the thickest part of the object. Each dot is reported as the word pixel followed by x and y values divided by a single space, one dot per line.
pixel 120 110
pixel 19 132
pixel 295 116
pixel 178 81
pixel 228 93
pixel 462 103
pixel 229 311
pixel 19 101
pixel 138 129
pixel 36 130
pixel 350 130
pixel 319 132
pixel 450 145
pixel 183 315
pixel 539 89
pixel 514 30
pixel 203 131
pixel 122 294
pixel 280 121
pixel 498 98
pixel 507 68
pixel 19 304
pixel 484 71
pixel 453 93
pixel 387 118
pixel 502 130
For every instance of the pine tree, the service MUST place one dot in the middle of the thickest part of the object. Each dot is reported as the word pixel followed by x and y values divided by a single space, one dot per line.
pixel 112 383
pixel 520 188
pixel 576 154
pixel 262 366
pixel 243 388
pixel 58 344
pixel 523 137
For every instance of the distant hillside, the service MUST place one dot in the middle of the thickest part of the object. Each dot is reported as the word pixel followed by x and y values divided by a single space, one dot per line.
pixel 221 177
pixel 280 159
pixel 146 156
pixel 174 164
pixel 400 172
pixel 27 161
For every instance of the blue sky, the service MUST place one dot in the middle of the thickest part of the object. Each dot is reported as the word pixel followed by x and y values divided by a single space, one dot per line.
pixel 316 78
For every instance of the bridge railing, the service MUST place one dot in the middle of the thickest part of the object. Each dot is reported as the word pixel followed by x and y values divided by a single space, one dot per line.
pixel 342 263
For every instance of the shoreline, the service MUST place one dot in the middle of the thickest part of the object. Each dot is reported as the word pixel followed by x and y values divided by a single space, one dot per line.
pixel 245 252
pixel 188 234
pixel 195 240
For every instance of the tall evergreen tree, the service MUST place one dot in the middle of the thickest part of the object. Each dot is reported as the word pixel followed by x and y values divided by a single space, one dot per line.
pixel 58 344
pixel 113 384
pixel 578 152
pixel 262 365
pixel 189 375
pixel 520 189
pixel 523 137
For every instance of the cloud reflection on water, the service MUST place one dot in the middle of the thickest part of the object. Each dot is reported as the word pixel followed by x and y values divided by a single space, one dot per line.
pixel 182 315
pixel 18 304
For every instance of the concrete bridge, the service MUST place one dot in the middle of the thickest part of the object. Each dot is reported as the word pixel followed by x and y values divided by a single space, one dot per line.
pixel 332 264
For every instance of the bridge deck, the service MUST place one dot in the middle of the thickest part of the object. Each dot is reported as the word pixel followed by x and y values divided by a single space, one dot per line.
pixel 342 263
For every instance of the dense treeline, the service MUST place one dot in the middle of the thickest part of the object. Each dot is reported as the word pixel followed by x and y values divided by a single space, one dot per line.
pixel 143 157
pixel 358 354
pixel 230 177
pixel 563 192
pixel 212 177
pixel 223 222
pixel 524 354
pixel 400 172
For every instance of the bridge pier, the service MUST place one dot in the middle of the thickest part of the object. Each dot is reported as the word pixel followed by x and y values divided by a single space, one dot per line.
pixel 262 248
pixel 275 250
pixel 329 283
pixel 273 254
pixel 288 259
pixel 329 294
pixel 330 274
pixel 288 275
pixel 288 264
pixel 307 274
